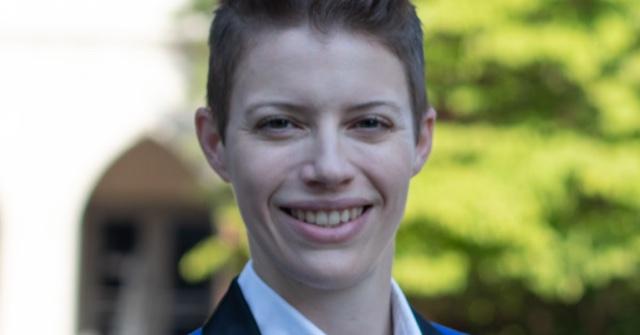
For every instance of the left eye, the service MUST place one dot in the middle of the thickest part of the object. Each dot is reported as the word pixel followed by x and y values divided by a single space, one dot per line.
pixel 372 123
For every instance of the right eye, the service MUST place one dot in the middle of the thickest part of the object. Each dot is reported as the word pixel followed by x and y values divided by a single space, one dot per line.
pixel 278 127
pixel 275 123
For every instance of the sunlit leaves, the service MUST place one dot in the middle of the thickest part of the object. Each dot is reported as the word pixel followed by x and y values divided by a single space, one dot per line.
pixel 557 211
pixel 432 275
pixel 483 53
pixel 228 248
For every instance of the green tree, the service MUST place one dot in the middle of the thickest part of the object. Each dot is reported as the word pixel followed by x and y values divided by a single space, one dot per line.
pixel 528 213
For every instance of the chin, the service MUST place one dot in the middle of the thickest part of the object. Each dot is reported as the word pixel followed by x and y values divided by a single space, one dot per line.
pixel 331 270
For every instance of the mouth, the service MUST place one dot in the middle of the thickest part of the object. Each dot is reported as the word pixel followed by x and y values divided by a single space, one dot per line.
pixel 329 218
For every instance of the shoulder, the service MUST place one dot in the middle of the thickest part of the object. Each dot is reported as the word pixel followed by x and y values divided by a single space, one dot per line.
pixel 233 316
pixel 445 330
pixel 442 330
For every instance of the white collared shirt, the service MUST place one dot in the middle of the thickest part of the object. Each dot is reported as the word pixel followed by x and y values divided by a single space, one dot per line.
pixel 275 316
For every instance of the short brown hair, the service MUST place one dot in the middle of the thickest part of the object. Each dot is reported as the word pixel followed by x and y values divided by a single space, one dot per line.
pixel 393 23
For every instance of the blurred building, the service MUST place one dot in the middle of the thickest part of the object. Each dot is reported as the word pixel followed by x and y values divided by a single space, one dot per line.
pixel 95 208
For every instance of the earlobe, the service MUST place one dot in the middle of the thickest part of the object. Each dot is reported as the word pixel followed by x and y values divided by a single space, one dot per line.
pixel 211 141
pixel 425 140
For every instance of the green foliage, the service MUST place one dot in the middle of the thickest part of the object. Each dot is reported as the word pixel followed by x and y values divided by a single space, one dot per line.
pixel 228 249
pixel 533 188
pixel 569 64
pixel 515 197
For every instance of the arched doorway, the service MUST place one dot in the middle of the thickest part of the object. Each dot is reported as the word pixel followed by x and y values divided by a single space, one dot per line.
pixel 143 214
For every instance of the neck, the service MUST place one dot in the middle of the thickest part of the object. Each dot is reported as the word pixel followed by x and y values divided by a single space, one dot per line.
pixel 361 308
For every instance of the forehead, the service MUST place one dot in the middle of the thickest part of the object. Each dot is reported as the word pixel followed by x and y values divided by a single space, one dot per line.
pixel 318 68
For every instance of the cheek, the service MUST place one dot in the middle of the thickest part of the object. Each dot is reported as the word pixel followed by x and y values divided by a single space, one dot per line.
pixel 388 165
pixel 390 171
pixel 257 172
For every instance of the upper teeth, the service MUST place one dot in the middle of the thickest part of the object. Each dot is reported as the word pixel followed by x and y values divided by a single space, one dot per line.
pixel 327 218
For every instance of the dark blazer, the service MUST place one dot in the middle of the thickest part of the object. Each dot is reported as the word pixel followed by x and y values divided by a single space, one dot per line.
pixel 233 317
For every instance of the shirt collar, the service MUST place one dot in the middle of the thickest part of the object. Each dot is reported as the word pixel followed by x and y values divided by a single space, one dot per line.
pixel 275 316
pixel 404 323
pixel 272 313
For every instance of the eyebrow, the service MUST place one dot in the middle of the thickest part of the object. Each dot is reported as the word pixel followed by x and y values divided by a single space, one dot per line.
pixel 374 104
pixel 292 107
pixel 287 106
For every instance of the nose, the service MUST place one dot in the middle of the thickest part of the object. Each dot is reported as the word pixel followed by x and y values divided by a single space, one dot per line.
pixel 328 165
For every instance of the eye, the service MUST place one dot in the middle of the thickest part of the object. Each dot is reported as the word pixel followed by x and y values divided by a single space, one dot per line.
pixel 372 123
pixel 275 123
pixel 278 127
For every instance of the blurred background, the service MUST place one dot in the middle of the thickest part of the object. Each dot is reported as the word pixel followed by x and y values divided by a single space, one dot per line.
pixel 526 219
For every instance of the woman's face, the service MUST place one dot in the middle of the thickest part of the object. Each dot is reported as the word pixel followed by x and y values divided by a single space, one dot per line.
pixel 319 150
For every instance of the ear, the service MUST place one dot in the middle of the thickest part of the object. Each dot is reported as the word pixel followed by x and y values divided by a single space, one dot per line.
pixel 211 141
pixel 425 139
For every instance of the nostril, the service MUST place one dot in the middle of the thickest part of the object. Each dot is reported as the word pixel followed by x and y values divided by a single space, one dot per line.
pixel 328 182
pixel 325 175
pixel 327 163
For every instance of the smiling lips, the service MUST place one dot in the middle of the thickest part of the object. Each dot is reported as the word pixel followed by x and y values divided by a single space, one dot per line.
pixel 327 218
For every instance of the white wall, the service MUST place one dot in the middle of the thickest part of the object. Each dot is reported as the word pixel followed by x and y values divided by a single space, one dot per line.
pixel 79 81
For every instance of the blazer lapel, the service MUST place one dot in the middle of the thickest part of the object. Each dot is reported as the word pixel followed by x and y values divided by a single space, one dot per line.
pixel 232 316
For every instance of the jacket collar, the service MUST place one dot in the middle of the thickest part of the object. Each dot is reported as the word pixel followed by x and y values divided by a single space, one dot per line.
pixel 233 316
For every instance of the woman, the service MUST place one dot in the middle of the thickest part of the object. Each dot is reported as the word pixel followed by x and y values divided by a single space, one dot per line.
pixel 317 116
